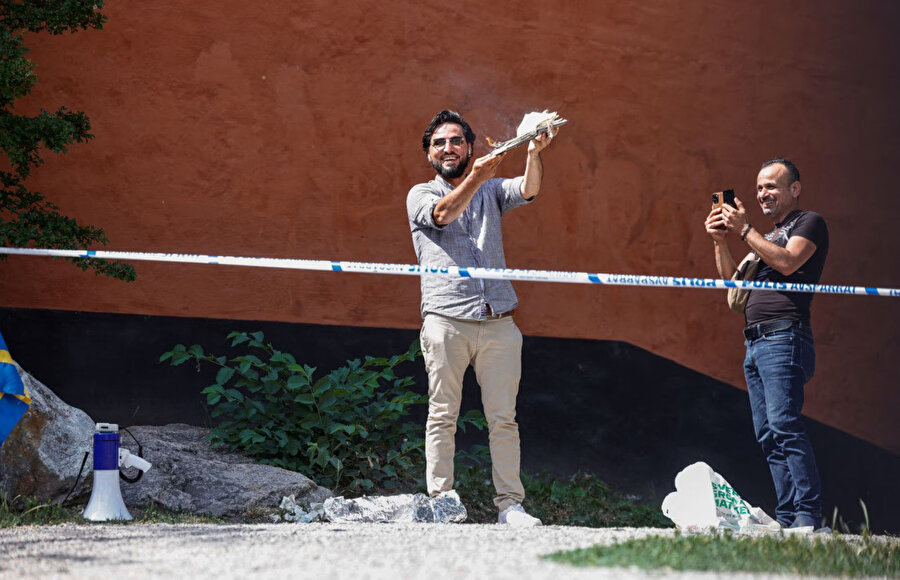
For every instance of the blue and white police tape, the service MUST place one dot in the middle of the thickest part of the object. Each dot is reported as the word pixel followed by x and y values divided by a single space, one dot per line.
pixel 464 272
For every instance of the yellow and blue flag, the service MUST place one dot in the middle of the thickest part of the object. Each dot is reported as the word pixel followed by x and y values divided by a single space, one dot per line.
pixel 14 399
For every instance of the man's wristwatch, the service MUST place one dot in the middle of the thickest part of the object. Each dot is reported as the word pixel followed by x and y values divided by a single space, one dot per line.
pixel 746 231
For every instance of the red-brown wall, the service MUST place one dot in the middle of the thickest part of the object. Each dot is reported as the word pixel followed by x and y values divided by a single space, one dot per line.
pixel 294 131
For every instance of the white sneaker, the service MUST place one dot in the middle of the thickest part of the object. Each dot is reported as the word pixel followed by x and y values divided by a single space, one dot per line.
pixel 517 517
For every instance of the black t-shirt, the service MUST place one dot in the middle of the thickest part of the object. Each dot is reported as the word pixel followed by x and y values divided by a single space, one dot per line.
pixel 766 305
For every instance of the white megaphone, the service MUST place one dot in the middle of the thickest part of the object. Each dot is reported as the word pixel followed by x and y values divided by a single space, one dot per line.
pixel 106 497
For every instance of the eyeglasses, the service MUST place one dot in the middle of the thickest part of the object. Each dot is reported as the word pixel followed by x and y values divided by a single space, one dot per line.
pixel 454 141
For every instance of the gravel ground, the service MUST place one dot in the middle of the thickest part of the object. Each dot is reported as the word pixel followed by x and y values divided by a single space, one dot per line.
pixel 321 551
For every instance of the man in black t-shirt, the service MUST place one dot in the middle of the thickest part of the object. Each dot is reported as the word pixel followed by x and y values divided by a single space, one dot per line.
pixel 780 351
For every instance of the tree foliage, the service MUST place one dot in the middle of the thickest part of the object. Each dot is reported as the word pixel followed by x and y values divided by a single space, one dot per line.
pixel 27 217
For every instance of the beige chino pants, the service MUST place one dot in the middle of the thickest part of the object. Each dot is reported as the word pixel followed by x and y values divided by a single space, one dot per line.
pixel 494 349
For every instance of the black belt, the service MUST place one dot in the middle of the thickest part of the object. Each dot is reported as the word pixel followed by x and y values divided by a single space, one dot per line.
pixel 754 331
pixel 492 316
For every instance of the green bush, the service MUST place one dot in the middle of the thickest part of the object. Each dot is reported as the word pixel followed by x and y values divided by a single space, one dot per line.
pixel 347 430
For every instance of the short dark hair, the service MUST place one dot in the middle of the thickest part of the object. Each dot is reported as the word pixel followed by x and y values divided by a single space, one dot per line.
pixel 446 116
pixel 788 164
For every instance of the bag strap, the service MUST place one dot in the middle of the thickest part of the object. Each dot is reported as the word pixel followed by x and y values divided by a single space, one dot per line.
pixel 786 226
pixel 754 257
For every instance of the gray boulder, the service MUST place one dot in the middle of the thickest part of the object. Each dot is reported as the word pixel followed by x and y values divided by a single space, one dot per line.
pixel 42 455
pixel 189 475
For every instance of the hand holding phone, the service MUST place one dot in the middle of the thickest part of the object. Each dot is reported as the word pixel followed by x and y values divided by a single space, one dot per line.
pixel 723 197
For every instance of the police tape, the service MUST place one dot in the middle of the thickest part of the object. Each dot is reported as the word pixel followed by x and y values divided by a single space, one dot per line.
pixel 464 272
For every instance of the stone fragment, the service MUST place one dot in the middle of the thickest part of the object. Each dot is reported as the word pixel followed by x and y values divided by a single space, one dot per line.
pixel 443 509
pixel 44 451
pixel 291 511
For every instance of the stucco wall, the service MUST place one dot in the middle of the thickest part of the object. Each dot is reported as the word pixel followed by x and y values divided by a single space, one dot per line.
pixel 294 131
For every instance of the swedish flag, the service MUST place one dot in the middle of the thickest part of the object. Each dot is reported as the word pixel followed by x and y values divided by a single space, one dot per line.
pixel 14 399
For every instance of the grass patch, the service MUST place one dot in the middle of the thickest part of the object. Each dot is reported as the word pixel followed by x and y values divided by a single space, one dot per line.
pixel 28 511
pixel 581 500
pixel 828 555
pixel 154 514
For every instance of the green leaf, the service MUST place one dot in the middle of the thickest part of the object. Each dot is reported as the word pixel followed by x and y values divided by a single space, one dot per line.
pixel 327 400
pixel 297 382
pixel 475 418
pixel 271 387
pixel 323 456
pixel 252 359
pixel 224 375
pixel 322 385
pixel 334 427
pixel 238 338
pixel 309 421
pixel 234 394
pixel 304 399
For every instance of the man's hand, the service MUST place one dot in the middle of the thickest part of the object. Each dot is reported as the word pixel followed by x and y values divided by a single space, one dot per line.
pixel 539 143
pixel 534 168
pixel 485 168
pixel 451 206
pixel 734 218
pixel 715 225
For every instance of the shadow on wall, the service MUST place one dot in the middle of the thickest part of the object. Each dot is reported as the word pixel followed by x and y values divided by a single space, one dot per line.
pixel 604 407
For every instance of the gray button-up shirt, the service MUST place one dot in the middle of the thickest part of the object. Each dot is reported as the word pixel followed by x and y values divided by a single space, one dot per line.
pixel 474 239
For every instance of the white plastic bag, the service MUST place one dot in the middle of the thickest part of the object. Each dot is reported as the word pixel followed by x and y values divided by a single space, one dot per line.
pixel 703 500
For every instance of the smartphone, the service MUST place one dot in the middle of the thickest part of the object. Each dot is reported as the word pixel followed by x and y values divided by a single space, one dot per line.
pixel 726 196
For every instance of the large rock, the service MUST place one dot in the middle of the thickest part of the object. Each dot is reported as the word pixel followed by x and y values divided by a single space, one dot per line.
pixel 43 453
pixel 188 474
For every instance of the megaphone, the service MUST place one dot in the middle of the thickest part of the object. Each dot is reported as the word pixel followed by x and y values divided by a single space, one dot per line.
pixel 106 498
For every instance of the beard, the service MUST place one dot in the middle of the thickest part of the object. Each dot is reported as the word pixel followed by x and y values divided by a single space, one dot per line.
pixel 451 172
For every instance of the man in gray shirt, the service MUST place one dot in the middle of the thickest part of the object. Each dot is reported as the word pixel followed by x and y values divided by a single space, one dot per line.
pixel 455 221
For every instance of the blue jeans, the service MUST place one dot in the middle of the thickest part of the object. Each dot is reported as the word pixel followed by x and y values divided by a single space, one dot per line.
pixel 777 366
